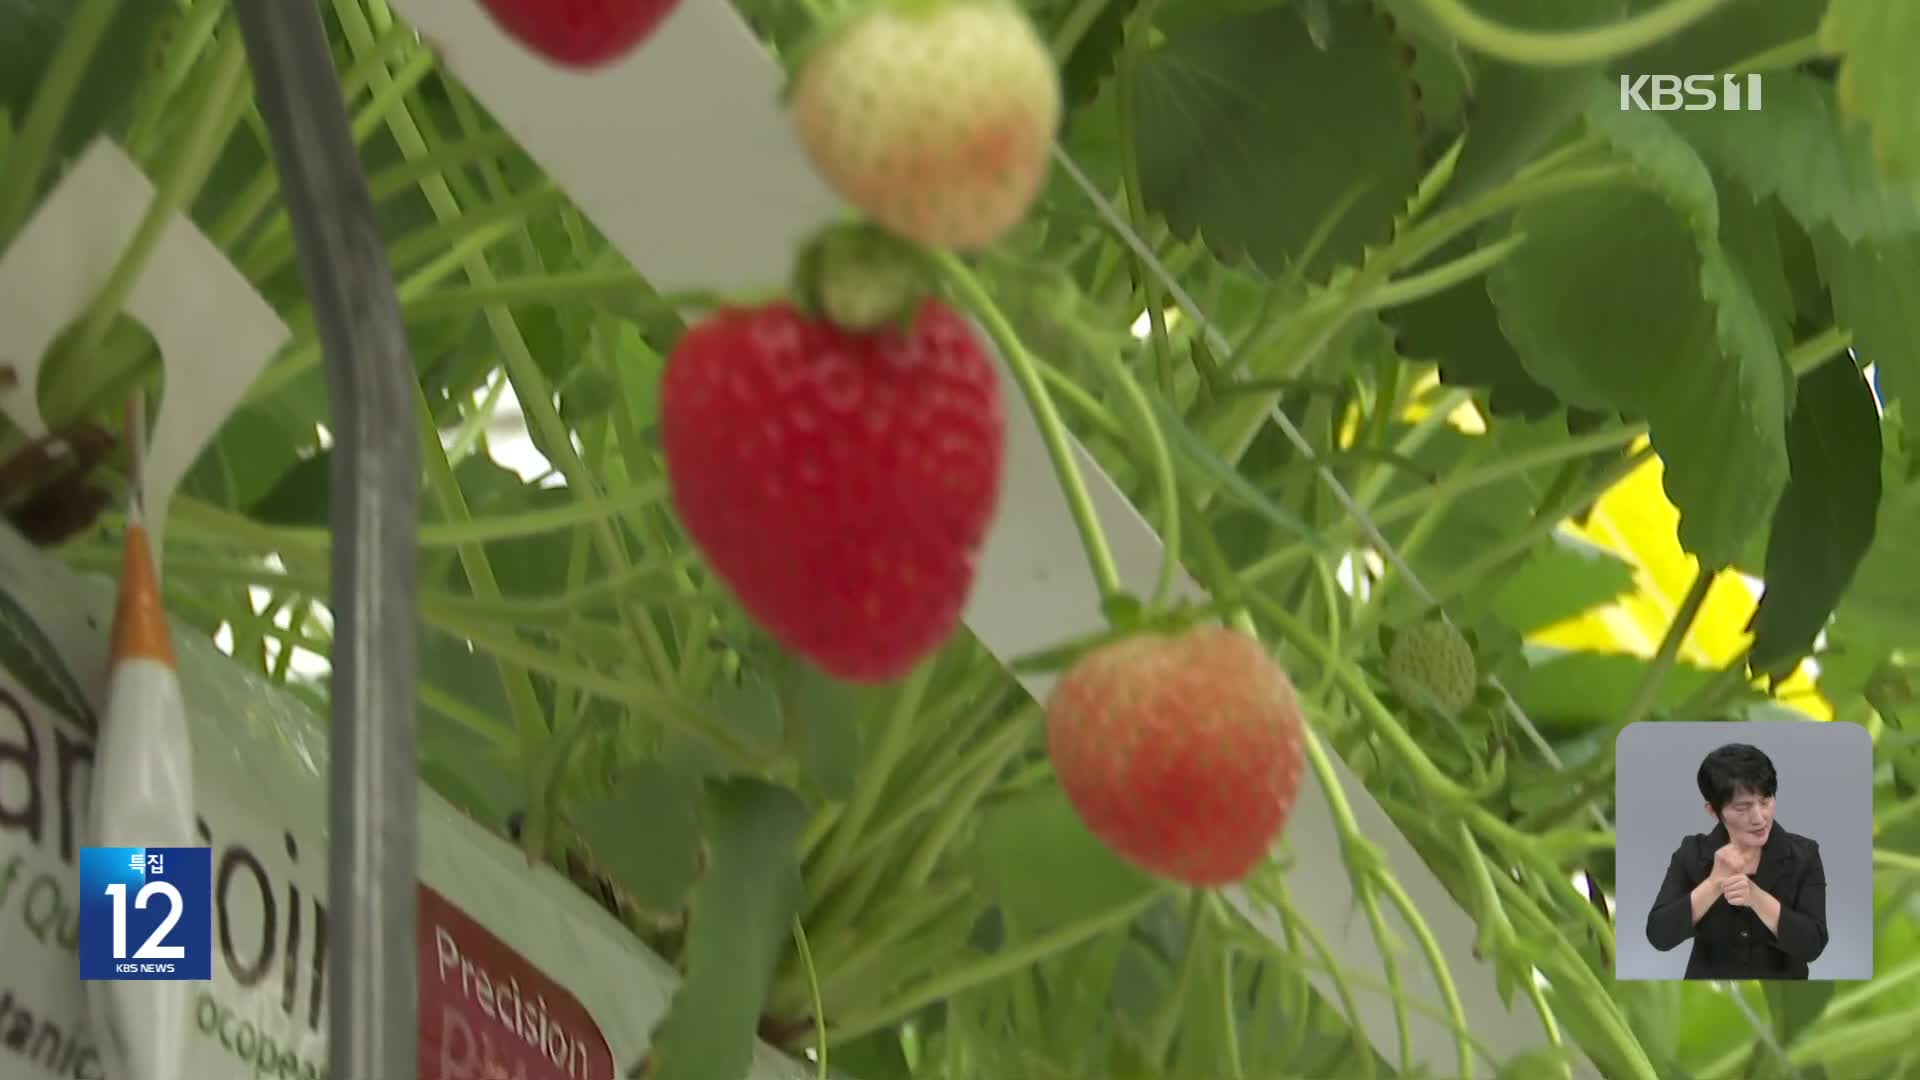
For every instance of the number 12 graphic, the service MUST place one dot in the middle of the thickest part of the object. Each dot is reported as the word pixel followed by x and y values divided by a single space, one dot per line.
pixel 160 897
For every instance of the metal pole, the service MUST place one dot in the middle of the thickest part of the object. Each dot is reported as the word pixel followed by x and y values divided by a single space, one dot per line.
pixel 372 815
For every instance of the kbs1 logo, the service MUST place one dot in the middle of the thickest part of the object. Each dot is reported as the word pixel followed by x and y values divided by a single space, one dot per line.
pixel 1692 93
pixel 146 913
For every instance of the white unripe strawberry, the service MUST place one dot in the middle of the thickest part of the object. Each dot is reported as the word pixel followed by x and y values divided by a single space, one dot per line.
pixel 934 118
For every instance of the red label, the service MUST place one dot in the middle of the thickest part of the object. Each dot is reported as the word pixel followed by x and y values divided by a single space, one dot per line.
pixel 488 1014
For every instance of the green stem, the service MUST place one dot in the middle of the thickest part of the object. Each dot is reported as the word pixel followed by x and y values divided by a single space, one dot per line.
pixel 896 738
pixel 993 968
pixel 529 384
pixel 1026 371
pixel 33 143
pixel 1570 48
pixel 1354 685
pixel 444 489
pixel 1138 26
pixel 1896 860
pixel 1271 890
pixel 1367 867
pixel 1417 287
pixel 157 95
pixel 1648 690
pixel 218 110
pixel 1787 54
pixel 1166 1021
pixel 216 524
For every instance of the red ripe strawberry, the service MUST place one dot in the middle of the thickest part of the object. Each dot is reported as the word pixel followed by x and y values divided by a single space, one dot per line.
pixel 1181 753
pixel 839 482
pixel 580 33
pixel 935 118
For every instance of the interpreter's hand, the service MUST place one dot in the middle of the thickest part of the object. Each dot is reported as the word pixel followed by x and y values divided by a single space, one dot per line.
pixel 1728 862
pixel 1739 890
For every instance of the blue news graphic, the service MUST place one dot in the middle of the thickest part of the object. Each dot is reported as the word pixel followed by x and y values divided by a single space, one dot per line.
pixel 146 913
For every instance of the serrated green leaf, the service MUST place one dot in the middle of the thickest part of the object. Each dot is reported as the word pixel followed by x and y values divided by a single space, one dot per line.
pixel 1871 285
pixel 1824 523
pixel 1658 152
pixel 1045 869
pixel 741 916
pixel 32 659
pixel 1248 134
pixel 1598 314
pixel 1878 40
pixel 1611 318
pixel 1798 147
pixel 1751 232
pixel 644 832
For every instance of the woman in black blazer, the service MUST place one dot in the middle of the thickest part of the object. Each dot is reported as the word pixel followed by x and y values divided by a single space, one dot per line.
pixel 1751 895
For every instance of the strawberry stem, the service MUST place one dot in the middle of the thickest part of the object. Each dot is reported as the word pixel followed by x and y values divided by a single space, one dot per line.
pixel 1026 371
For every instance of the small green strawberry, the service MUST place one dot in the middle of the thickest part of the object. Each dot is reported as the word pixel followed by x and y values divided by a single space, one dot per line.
pixel 935 118
pixel 1432 663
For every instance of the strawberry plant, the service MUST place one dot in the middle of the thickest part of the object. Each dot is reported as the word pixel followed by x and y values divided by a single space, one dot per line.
pixel 1155 594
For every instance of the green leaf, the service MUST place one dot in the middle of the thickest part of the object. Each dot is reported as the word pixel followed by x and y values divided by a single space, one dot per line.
pixel 1659 153
pixel 587 395
pixel 300 497
pixel 1248 135
pixel 1565 578
pixel 1799 148
pixel 820 719
pixel 32 659
pixel 1045 869
pixel 1571 692
pixel 1649 317
pixel 1732 33
pixel 1536 1063
pixel 1882 609
pixel 31 31
pixel 645 832
pixel 1458 330
pixel 1871 284
pixel 1795 1006
pixel 1824 523
pixel 741 916
pixel 1878 40
pixel 1518 110
pixel 1091 60
pixel 1751 231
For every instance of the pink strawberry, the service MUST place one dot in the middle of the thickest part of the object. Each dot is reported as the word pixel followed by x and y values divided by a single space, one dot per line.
pixel 839 482
pixel 935 118
pixel 1182 753
pixel 580 33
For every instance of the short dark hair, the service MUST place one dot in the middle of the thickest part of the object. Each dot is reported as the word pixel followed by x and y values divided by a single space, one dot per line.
pixel 1735 768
